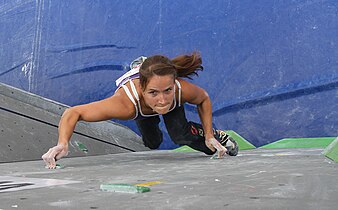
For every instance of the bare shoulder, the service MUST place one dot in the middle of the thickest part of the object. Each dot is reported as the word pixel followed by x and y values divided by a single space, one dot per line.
pixel 121 106
pixel 117 106
pixel 192 93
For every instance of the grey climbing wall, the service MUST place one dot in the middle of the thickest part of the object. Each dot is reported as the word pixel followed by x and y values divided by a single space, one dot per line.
pixel 29 126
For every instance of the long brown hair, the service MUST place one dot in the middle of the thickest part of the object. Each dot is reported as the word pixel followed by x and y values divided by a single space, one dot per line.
pixel 180 66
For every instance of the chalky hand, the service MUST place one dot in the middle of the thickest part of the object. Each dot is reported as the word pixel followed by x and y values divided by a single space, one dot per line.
pixel 53 154
pixel 213 144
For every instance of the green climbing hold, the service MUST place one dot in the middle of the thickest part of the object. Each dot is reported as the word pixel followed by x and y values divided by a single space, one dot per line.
pixel 58 166
pixel 81 146
pixel 124 188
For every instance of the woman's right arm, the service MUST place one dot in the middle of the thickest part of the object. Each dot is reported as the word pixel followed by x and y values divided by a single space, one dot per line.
pixel 117 106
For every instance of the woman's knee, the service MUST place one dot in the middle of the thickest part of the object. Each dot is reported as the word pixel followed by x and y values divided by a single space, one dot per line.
pixel 152 143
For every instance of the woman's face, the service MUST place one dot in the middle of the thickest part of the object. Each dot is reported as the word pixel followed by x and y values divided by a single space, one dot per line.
pixel 159 93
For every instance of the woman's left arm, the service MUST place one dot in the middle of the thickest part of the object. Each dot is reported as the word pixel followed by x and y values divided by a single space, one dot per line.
pixel 194 94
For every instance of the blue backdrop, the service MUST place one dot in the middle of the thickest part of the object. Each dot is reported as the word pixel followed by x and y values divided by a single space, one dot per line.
pixel 271 67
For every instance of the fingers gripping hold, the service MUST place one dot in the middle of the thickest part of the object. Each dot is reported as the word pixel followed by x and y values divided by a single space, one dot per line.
pixel 53 154
pixel 213 144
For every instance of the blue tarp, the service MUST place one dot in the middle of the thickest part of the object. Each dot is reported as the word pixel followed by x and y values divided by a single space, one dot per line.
pixel 271 67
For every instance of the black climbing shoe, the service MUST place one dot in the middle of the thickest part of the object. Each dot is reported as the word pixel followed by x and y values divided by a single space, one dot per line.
pixel 229 143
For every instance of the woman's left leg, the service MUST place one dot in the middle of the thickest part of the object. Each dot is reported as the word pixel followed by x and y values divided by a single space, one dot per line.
pixel 192 134
pixel 183 132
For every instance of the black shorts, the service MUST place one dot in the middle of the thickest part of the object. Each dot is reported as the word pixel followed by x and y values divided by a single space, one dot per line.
pixel 179 129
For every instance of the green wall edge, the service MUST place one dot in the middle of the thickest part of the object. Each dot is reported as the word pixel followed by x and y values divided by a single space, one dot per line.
pixel 331 151
pixel 321 142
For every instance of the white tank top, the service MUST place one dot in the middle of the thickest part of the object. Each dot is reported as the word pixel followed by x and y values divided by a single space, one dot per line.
pixel 133 74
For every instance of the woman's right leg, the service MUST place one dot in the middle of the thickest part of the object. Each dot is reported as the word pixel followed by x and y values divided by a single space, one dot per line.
pixel 151 134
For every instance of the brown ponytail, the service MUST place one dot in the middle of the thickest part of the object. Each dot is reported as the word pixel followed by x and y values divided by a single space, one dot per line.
pixel 181 66
pixel 188 65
